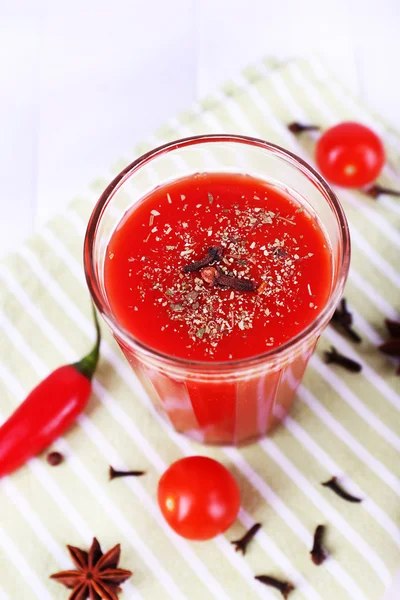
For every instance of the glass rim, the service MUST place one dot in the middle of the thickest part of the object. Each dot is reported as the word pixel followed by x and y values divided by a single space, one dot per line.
pixel 212 366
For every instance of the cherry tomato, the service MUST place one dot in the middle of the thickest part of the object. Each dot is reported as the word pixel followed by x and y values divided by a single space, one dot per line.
pixel 350 155
pixel 198 497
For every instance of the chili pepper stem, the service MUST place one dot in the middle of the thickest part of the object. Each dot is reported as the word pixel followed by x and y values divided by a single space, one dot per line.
pixel 87 365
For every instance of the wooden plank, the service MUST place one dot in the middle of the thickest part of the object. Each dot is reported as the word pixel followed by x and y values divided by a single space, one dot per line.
pixel 374 27
pixel 19 111
pixel 111 73
pixel 233 33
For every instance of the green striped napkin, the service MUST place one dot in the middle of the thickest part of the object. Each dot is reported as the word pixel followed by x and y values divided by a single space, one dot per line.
pixel 342 424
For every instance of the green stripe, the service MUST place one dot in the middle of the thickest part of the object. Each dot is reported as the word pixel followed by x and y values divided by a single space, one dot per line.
pixel 14 584
pixel 102 419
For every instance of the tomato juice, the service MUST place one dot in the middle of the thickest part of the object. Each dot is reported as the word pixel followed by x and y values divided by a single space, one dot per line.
pixel 261 235
pixel 264 236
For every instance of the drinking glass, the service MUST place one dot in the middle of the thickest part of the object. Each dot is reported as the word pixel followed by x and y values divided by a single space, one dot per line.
pixel 219 402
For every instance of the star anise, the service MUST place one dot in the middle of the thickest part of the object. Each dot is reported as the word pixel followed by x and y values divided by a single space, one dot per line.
pixel 96 576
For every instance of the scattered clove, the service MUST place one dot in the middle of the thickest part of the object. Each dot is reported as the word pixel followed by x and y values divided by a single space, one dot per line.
pixel 280 252
pixel 343 317
pixel 214 254
pixel 242 543
pixel 333 356
pixel 391 347
pixel 377 190
pixel 393 328
pixel 284 587
pixel 318 554
pixel 55 458
pixel 296 127
pixel 114 473
pixel 214 276
pixel 335 487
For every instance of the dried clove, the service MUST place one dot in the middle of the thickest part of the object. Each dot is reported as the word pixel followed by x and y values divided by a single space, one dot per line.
pixel 55 458
pixel 214 276
pixel 240 285
pixel 333 356
pixel 335 487
pixel 284 587
pixel 318 554
pixel 391 347
pixel 377 190
pixel 280 253
pixel 343 317
pixel 296 127
pixel 214 254
pixel 114 473
pixel 393 328
pixel 242 543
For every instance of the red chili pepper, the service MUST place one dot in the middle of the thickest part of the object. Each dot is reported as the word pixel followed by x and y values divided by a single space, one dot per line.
pixel 48 411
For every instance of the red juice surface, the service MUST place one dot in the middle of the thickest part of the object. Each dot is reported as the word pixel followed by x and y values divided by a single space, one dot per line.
pixel 265 236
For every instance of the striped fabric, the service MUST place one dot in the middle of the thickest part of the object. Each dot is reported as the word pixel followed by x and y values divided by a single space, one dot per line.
pixel 341 424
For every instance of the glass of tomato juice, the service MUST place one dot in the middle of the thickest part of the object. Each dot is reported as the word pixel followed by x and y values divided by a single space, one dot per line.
pixel 217 261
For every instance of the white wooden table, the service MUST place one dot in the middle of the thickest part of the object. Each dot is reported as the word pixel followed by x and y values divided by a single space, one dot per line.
pixel 81 81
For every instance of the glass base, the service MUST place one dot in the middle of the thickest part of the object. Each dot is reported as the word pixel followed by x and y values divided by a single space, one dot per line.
pixel 232 412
